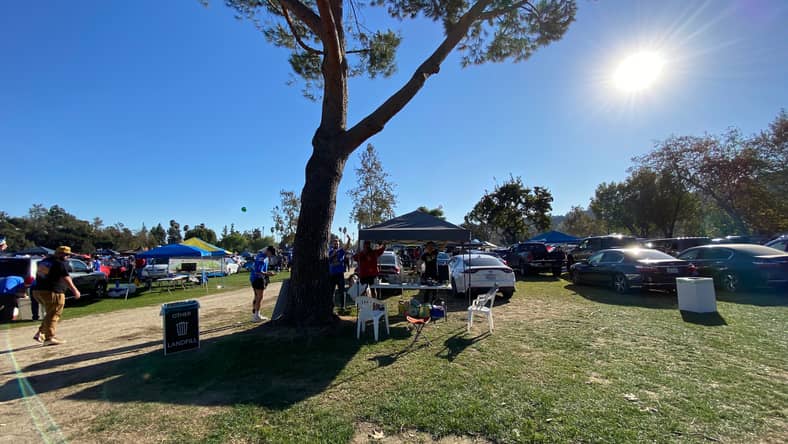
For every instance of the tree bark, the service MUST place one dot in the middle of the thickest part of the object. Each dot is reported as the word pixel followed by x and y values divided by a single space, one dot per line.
pixel 308 299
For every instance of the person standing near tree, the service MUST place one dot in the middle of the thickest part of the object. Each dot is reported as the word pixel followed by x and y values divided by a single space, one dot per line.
pixel 259 278
pixel 52 281
pixel 367 260
pixel 337 268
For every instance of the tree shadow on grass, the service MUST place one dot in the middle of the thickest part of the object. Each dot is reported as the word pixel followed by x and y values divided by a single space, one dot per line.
pixel 707 319
pixel 634 298
pixel 774 297
pixel 261 366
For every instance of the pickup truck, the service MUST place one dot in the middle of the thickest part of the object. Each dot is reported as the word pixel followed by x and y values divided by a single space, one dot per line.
pixel 536 257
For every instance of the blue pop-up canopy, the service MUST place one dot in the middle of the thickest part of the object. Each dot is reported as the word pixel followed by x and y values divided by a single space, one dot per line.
pixel 174 250
pixel 554 237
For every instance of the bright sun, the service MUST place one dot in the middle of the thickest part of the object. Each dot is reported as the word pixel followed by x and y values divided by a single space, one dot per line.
pixel 638 71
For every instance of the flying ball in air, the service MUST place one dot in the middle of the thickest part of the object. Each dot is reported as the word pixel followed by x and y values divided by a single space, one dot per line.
pixel 243 209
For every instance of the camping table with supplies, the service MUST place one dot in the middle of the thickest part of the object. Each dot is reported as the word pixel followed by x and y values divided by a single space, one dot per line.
pixel 174 281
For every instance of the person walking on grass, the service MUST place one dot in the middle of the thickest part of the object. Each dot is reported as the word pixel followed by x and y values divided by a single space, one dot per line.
pixel 259 278
pixel 52 281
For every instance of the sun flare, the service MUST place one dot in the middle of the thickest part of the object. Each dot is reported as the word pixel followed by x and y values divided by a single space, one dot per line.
pixel 638 71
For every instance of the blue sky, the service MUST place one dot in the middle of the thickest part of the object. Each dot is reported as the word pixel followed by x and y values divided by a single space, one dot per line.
pixel 146 111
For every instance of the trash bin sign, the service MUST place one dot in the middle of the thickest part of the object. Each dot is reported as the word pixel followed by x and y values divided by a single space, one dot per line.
pixel 181 322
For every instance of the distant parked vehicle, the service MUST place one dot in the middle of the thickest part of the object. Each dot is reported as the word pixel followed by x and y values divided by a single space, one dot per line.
pixel 230 266
pixel 675 245
pixel 478 273
pixel 591 245
pixel 535 257
pixel 156 268
pixel 390 268
pixel 740 240
pixel 737 266
pixel 627 268
pixel 779 243
pixel 89 283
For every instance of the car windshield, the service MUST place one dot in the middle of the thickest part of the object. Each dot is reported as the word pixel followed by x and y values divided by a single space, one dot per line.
pixel 482 261
pixel 642 253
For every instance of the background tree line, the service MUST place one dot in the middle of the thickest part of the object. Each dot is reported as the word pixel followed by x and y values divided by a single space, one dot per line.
pixel 711 185
pixel 54 226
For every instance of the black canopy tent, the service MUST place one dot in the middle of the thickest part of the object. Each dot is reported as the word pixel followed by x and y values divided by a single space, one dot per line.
pixel 414 227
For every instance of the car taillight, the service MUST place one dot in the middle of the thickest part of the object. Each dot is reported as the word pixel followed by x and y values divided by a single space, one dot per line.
pixel 507 270
pixel 692 269
pixel 529 257
pixel 29 281
pixel 396 269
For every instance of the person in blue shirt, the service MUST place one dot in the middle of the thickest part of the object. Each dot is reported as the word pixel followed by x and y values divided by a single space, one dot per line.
pixel 336 270
pixel 12 288
pixel 259 278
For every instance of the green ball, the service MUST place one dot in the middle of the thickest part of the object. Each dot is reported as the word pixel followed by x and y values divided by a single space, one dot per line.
pixel 243 209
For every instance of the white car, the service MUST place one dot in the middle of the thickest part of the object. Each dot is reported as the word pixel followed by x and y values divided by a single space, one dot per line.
pixel 230 266
pixel 478 273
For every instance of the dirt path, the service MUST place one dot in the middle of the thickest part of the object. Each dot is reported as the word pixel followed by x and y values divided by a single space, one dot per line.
pixel 50 417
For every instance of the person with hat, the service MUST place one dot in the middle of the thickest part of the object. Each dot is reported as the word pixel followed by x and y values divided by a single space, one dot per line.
pixel 52 281
pixel 259 278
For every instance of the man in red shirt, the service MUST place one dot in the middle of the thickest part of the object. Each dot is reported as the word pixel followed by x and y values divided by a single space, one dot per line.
pixel 367 260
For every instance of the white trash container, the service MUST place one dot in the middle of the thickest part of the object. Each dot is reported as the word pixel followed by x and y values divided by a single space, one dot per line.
pixel 696 294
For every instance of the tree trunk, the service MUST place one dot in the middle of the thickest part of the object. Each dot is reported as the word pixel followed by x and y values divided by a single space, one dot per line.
pixel 309 302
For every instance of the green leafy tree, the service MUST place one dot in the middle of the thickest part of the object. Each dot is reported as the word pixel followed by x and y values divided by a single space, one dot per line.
pixel 157 235
pixel 285 216
pixel 743 176
pixel 174 233
pixel 581 223
pixel 510 212
pixel 201 232
pixel 437 212
pixel 373 197
pixel 328 46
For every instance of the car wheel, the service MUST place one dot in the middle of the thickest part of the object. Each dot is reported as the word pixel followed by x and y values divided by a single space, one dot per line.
pixel 507 294
pixel 620 284
pixel 101 290
pixel 730 282
pixel 557 272
pixel 576 277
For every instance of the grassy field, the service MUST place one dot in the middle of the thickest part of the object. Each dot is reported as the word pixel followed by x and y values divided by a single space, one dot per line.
pixel 565 364
pixel 156 296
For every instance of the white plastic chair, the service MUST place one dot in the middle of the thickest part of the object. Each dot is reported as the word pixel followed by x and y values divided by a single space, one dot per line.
pixel 479 306
pixel 356 290
pixel 370 309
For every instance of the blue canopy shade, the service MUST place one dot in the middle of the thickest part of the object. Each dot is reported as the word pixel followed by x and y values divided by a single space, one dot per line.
pixel 174 250
pixel 554 237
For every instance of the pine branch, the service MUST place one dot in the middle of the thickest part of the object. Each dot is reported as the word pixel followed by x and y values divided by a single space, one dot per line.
pixel 306 47
pixel 375 121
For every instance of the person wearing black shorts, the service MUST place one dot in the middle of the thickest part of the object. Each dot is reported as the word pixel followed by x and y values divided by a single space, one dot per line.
pixel 259 278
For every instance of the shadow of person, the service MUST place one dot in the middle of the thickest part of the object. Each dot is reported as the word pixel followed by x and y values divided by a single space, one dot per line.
pixel 260 366
pixel 708 319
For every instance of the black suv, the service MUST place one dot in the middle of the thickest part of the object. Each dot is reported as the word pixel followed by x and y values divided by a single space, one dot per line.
pixel 591 245
pixel 675 245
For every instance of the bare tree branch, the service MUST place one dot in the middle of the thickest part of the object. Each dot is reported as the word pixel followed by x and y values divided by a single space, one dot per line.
pixel 304 13
pixel 375 121
pixel 333 116
pixel 306 47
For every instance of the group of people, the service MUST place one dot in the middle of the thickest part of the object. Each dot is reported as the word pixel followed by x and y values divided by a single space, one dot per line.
pixel 367 270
